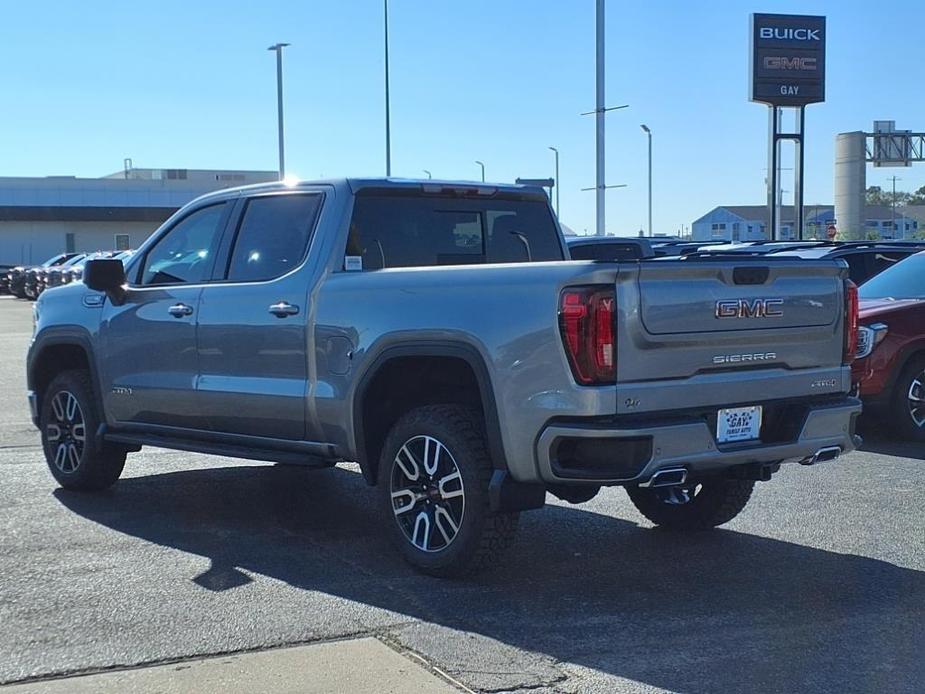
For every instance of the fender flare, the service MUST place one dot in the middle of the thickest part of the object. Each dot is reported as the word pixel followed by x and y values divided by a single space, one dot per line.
pixel 429 348
pixel 64 335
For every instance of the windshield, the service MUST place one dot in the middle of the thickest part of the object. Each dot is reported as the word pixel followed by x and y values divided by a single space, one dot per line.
pixel 905 280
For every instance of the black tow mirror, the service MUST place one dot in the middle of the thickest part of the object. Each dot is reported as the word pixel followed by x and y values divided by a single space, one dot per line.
pixel 106 275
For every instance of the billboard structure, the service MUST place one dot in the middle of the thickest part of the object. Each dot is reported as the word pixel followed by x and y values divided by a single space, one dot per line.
pixel 884 146
pixel 787 71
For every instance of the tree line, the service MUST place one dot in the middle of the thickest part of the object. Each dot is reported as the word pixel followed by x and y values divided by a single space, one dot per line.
pixel 877 196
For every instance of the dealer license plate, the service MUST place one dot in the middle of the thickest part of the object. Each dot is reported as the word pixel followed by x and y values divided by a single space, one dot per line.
pixel 738 424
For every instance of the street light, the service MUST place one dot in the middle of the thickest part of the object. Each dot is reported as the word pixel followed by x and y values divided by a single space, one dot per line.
pixel 483 169
pixel 278 47
pixel 427 172
pixel 557 179
pixel 648 132
pixel 388 131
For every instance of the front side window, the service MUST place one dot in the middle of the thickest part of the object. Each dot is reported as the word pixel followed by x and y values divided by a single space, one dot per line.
pixel 389 231
pixel 273 236
pixel 184 254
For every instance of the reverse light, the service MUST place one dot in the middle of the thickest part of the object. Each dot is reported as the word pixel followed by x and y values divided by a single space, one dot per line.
pixel 851 322
pixel 586 323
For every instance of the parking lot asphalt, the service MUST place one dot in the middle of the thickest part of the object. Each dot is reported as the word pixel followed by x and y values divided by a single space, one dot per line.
pixel 818 586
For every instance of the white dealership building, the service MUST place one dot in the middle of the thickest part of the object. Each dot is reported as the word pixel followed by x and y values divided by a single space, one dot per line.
pixel 40 217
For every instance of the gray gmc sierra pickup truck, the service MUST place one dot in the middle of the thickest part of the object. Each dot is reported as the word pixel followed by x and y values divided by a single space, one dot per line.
pixel 436 334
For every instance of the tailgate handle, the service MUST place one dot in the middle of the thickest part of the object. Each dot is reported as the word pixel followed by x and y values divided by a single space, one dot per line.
pixel 750 275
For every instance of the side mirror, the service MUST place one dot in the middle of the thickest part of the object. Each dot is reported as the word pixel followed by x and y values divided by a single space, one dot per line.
pixel 106 275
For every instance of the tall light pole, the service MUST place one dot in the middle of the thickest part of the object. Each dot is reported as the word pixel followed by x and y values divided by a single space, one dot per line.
pixel 645 129
pixel 388 130
pixel 278 47
pixel 599 116
pixel 483 169
pixel 556 179
pixel 427 172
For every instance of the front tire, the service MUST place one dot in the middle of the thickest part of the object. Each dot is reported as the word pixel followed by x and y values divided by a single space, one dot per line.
pixel 69 420
pixel 433 480
pixel 697 506
pixel 907 402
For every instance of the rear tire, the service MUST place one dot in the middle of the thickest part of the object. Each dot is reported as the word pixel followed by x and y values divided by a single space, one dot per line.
pixel 907 402
pixel 433 484
pixel 698 506
pixel 69 420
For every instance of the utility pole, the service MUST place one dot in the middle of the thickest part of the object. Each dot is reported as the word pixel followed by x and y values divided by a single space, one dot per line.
pixel 278 47
pixel 893 206
pixel 388 131
pixel 599 111
pixel 599 117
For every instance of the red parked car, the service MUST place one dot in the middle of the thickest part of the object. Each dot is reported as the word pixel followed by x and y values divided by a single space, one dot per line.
pixel 889 367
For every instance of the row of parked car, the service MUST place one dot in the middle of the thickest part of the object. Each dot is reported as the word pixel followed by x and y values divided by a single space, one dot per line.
pixel 865 258
pixel 889 365
pixel 28 282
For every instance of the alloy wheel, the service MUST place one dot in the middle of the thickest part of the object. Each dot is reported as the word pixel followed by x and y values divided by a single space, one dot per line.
pixel 428 498
pixel 65 434
pixel 916 400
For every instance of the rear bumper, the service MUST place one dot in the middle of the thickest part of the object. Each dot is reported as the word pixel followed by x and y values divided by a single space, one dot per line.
pixel 639 451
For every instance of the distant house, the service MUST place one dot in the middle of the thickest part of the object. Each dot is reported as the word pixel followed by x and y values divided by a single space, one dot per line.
pixel 914 214
pixel 750 222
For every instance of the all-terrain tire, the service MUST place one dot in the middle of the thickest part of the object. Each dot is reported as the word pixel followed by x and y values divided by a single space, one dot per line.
pixel 69 420
pixel 431 546
pixel 715 502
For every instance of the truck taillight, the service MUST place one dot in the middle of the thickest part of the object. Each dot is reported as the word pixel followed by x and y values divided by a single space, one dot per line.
pixel 586 321
pixel 851 322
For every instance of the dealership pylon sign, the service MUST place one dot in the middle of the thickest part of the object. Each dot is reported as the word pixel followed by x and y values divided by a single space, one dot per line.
pixel 787 70
pixel 787 59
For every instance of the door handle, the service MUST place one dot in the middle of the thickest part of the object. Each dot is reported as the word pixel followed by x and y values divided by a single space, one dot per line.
pixel 180 310
pixel 281 309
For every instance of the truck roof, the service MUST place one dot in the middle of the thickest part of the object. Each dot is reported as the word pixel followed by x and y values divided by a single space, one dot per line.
pixel 355 184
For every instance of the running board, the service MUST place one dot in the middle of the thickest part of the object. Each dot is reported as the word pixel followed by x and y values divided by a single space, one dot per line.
pixel 230 450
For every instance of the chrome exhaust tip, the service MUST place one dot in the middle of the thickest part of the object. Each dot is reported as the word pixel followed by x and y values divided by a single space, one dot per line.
pixel 669 477
pixel 823 455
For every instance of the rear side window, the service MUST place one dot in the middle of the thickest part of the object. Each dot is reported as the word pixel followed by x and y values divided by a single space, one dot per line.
pixel 273 236
pixel 389 231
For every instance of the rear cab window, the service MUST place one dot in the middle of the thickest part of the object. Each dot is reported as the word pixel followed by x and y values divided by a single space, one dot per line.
pixel 273 236
pixel 421 230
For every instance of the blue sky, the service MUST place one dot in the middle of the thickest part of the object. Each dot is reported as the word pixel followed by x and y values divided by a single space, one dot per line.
pixel 191 84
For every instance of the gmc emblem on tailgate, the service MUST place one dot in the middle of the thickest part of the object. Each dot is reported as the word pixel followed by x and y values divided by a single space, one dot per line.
pixel 748 308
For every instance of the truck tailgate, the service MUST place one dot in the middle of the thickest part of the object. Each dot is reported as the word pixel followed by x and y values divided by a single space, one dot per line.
pixel 741 332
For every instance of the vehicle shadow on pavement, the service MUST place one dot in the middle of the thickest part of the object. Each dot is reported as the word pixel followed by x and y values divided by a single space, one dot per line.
pixel 887 446
pixel 715 611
